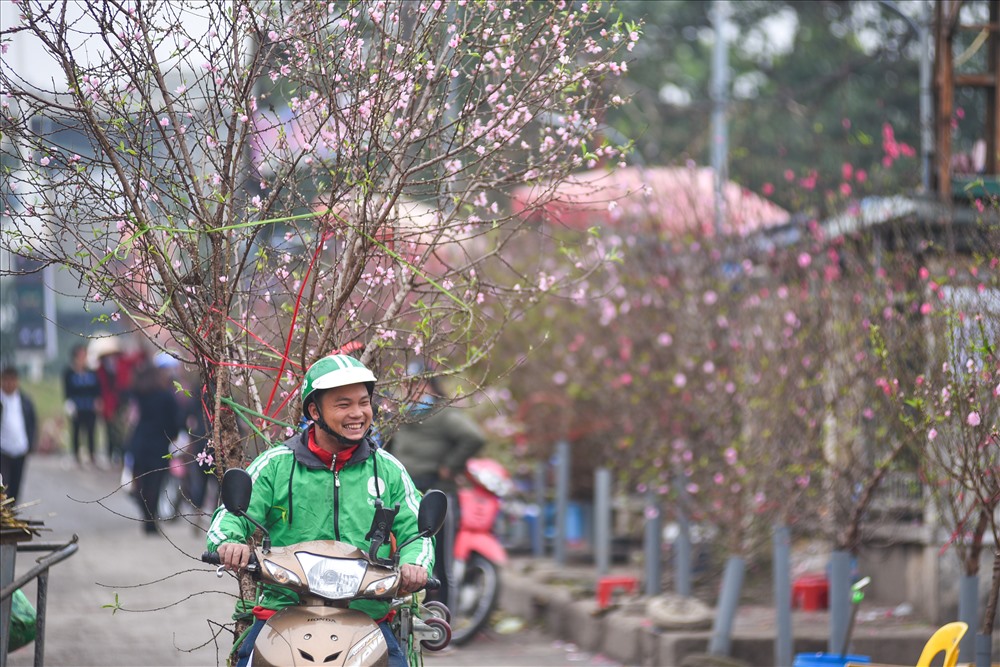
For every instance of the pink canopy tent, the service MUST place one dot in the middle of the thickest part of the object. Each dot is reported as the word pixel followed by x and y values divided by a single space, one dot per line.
pixel 680 199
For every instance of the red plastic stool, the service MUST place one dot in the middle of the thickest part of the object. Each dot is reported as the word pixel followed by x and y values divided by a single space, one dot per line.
pixel 811 592
pixel 606 585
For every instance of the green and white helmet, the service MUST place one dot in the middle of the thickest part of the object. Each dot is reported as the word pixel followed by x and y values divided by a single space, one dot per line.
pixel 336 370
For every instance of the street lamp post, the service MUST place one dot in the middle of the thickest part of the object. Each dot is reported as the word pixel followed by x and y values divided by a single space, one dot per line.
pixel 720 108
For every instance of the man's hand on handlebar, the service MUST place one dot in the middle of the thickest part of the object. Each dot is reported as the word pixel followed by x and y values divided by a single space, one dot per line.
pixel 234 556
pixel 411 578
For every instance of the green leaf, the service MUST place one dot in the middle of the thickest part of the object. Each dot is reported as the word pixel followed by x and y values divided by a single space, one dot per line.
pixel 114 606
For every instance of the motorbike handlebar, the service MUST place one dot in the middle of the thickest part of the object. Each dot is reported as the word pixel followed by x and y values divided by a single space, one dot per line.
pixel 212 557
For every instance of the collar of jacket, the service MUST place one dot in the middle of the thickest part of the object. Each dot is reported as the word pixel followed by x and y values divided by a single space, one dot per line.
pixel 299 444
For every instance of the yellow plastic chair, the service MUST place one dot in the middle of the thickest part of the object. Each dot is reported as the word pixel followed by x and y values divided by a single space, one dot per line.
pixel 945 639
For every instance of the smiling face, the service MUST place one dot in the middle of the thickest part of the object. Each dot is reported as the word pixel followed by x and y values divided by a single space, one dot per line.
pixel 347 410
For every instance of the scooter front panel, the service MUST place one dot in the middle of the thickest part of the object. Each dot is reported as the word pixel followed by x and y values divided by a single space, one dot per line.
pixel 302 636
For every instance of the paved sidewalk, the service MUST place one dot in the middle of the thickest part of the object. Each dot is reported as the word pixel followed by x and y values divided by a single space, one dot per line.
pixel 165 593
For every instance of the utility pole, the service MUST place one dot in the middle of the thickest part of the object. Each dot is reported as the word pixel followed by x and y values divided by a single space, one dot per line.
pixel 720 13
pixel 926 101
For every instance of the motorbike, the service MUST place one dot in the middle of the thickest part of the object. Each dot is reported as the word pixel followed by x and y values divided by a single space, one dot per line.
pixel 327 575
pixel 478 553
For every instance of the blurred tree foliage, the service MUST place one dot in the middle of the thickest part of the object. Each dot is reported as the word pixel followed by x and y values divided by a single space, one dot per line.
pixel 813 85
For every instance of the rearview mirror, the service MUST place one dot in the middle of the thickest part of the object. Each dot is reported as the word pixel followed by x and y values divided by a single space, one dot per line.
pixel 236 488
pixel 433 508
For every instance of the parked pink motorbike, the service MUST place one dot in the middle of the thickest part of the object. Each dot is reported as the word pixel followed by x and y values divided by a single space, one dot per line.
pixel 478 552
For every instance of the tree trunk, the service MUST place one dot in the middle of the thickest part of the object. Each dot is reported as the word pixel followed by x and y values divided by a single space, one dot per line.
pixel 230 454
pixel 976 547
pixel 990 617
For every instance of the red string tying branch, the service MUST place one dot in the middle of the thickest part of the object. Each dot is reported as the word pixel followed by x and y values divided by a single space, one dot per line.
pixel 291 327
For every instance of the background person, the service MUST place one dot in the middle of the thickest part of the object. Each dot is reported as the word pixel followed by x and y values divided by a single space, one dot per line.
pixel 18 431
pixel 434 443
pixel 113 375
pixel 157 424
pixel 334 454
pixel 82 390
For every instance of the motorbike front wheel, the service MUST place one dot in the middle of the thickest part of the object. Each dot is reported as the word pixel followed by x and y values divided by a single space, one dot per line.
pixel 474 599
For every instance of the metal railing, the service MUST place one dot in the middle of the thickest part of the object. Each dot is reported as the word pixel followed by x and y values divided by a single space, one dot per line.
pixel 58 552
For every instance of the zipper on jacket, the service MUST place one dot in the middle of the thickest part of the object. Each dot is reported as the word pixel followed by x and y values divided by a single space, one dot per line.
pixel 336 498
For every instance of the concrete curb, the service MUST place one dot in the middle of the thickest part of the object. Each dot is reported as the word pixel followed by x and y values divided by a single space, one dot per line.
pixel 566 609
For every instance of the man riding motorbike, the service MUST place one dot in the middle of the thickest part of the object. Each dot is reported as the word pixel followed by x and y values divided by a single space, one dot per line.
pixel 322 484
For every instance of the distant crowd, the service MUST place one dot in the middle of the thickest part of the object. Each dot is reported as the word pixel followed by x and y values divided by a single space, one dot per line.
pixel 152 433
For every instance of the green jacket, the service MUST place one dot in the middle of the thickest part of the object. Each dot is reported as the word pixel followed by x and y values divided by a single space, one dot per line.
pixel 297 499
pixel 431 440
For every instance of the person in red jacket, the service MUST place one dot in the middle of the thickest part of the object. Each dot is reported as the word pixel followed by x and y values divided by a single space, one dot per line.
pixel 114 373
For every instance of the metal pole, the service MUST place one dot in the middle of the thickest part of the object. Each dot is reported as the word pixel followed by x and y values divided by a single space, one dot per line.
pixel 538 530
pixel 562 500
pixel 653 537
pixel 926 101
pixel 51 318
pixel 41 606
pixel 968 612
pixel 682 545
pixel 840 598
pixel 720 106
pixel 782 597
pixel 729 600
pixel 8 553
pixel 602 520
pixel 984 649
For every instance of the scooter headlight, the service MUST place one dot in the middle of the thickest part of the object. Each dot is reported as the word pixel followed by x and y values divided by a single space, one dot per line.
pixel 281 575
pixel 362 651
pixel 381 586
pixel 332 578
